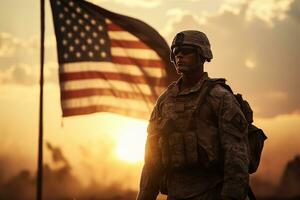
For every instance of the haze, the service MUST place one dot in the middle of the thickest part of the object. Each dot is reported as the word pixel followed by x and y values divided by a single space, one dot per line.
pixel 255 45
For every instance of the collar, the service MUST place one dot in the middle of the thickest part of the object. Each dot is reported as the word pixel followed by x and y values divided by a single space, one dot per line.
pixel 175 90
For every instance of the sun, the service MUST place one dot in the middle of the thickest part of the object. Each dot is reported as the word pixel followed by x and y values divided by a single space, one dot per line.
pixel 130 142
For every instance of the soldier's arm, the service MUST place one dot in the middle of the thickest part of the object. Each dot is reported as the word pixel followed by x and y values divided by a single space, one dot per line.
pixel 150 177
pixel 149 184
pixel 234 144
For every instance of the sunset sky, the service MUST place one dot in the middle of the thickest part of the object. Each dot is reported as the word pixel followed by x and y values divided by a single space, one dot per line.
pixel 256 48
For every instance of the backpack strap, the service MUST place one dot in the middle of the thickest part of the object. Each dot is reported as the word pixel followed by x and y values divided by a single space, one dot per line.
pixel 207 87
pixel 245 107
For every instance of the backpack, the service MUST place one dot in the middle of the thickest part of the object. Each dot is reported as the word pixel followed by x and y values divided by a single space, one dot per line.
pixel 256 136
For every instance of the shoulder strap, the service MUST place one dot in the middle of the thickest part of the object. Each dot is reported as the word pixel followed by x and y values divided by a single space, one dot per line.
pixel 222 82
pixel 207 86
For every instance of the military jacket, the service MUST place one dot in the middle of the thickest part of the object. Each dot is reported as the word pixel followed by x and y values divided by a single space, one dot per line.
pixel 221 130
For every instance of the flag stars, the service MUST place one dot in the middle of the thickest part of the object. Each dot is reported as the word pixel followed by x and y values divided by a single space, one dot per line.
pixel 71 48
pixel 87 27
pixel 75 28
pixel 61 15
pixel 108 21
pixel 86 16
pixel 78 10
pixel 102 41
pixel 62 29
pixel 103 54
pixel 83 37
pixel 89 41
pixel 83 47
pixel 91 54
pixel 64 42
pixel 95 34
pixel 78 54
pixel 82 34
pixel 100 28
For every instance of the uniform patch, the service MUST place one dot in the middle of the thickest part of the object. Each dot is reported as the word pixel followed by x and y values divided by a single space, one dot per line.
pixel 179 107
pixel 239 122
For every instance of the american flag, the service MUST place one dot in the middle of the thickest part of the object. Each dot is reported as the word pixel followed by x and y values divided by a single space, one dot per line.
pixel 108 62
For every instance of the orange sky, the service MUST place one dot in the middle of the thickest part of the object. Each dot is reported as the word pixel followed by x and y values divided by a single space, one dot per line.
pixel 254 47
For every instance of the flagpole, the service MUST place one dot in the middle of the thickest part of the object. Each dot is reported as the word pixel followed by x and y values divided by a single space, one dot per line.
pixel 39 184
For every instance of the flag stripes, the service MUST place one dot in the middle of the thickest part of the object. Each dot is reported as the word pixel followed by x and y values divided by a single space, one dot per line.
pixel 144 89
pixel 113 27
pixel 122 35
pixel 110 76
pixel 134 53
pixel 138 62
pixel 108 68
pixel 104 67
pixel 129 44
pixel 97 84
pixel 70 94
pixel 106 101
pixel 101 108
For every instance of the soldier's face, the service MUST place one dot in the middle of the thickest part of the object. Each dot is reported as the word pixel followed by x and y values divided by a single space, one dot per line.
pixel 185 59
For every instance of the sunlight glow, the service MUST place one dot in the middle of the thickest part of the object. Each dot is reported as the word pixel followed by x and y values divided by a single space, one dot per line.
pixel 131 142
pixel 250 63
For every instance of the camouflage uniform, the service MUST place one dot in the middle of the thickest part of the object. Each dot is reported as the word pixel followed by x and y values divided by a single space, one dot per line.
pixel 222 142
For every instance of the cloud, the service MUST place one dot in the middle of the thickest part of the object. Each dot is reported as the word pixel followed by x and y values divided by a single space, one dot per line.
pixel 7 45
pixel 19 73
pixel 140 3
pixel 176 16
pixel 134 3
pixel 233 6
pixel 25 74
pixel 294 11
pixel 267 10
pixel 11 45
pixel 271 52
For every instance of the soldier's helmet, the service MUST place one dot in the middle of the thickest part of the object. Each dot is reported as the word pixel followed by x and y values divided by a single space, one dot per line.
pixel 193 38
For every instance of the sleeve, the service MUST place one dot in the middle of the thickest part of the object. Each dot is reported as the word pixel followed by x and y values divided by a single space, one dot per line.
pixel 235 148
pixel 150 177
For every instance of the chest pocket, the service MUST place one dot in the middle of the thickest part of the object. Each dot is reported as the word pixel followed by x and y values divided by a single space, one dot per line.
pixel 179 140
pixel 181 111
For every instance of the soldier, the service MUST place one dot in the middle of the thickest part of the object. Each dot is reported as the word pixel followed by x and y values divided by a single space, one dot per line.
pixel 197 145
